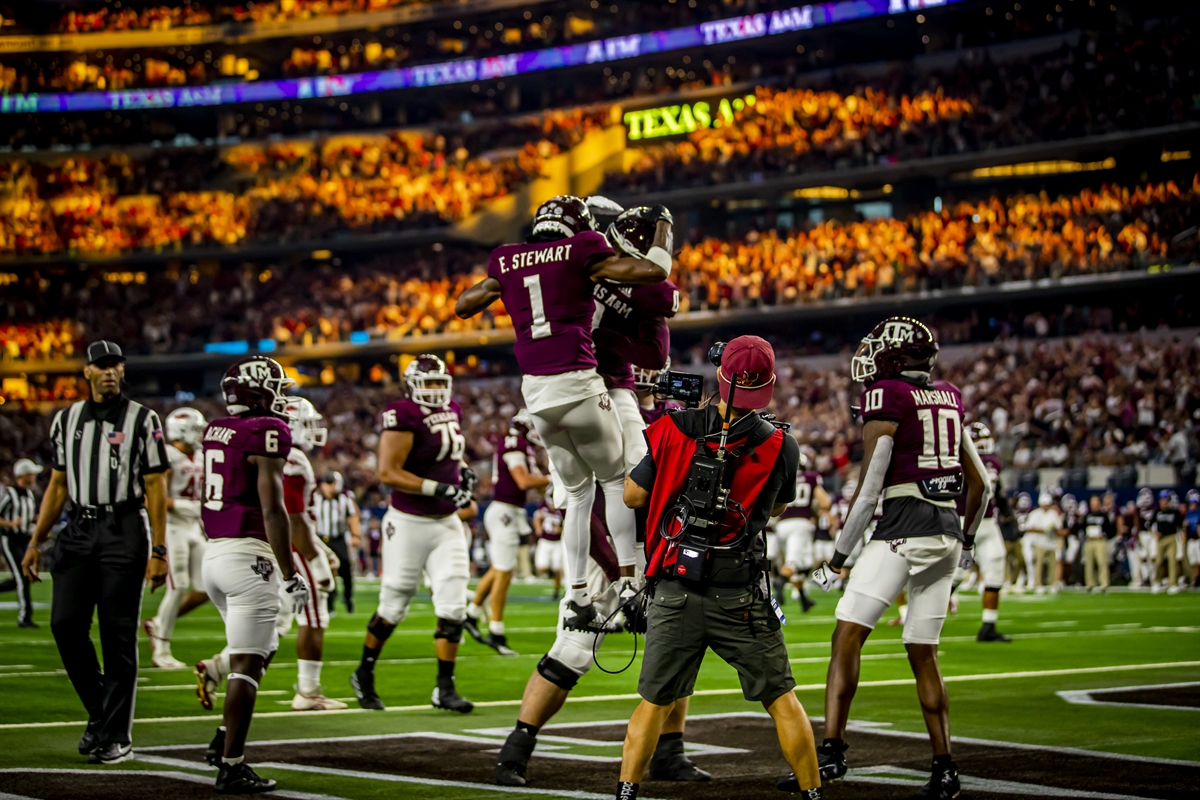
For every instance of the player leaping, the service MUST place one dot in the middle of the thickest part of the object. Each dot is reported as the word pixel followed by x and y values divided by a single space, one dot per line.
pixel 546 286
pixel 185 535
pixel 916 457
pixel 421 530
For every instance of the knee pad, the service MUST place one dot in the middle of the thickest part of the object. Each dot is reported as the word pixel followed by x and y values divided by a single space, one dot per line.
pixel 449 629
pixel 573 650
pixel 393 604
pixel 380 628
pixel 557 673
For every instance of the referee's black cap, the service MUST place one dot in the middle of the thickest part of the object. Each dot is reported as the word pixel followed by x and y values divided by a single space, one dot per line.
pixel 103 350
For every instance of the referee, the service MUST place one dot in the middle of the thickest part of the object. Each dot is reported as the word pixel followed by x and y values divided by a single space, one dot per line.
pixel 337 519
pixel 109 464
pixel 18 512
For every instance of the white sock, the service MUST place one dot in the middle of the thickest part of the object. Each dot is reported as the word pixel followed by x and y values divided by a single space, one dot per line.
pixel 496 627
pixel 310 676
pixel 231 761
pixel 473 610
pixel 991 615
pixel 577 531
pixel 581 597
pixel 168 612
pixel 622 525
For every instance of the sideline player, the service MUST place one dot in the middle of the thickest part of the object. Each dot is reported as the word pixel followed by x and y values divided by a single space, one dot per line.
pixel 546 285
pixel 515 471
pixel 989 544
pixel 421 529
pixel 914 456
pixel 795 529
pixel 547 558
pixel 248 565
pixel 185 536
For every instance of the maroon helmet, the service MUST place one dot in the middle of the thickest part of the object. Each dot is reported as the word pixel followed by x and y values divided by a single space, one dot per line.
pixel 632 233
pixel 256 385
pixel 428 381
pixel 893 346
pixel 561 217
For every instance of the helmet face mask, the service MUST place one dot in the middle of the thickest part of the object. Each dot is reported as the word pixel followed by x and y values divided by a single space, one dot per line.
pixel 646 380
pixel 632 233
pixel 185 425
pixel 429 382
pixel 981 435
pixel 561 218
pixel 894 346
pixel 304 420
pixel 256 385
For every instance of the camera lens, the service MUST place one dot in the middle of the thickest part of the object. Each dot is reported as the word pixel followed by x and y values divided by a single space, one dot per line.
pixel 715 352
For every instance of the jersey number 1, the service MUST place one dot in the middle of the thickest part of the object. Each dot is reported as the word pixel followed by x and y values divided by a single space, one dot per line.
pixel 540 328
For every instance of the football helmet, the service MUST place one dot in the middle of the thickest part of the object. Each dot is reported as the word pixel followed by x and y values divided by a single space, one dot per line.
pixel 256 384
pixel 632 233
pixel 604 211
pixel 894 346
pixel 1145 497
pixel 305 422
pixel 1069 503
pixel 185 425
pixel 560 218
pixel 981 435
pixel 646 380
pixel 1024 502
pixel 428 381
pixel 1193 496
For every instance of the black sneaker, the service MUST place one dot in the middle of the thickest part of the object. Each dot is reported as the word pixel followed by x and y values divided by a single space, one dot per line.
pixel 943 785
pixel 580 618
pixel 241 779
pixel 28 623
pixel 446 697
pixel 349 605
pixel 216 749
pixel 779 589
pixel 670 764
pixel 111 753
pixel 788 783
pixel 362 681
pixel 90 739
pixel 831 759
pixel 514 757
pixel 988 633
pixel 499 643
pixel 471 626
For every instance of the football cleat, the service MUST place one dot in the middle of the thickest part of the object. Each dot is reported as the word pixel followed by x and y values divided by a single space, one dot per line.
pixel 471 626
pixel 28 623
pixel 111 753
pixel 831 759
pixel 241 779
pixel 514 757
pixel 581 618
pixel 446 697
pixel 499 643
pixel 207 681
pixel 89 740
pixel 215 749
pixel 362 681
pixel 942 785
pixel 164 660
pixel 788 783
pixel 315 702
pixel 988 633
pixel 670 764
pixel 150 627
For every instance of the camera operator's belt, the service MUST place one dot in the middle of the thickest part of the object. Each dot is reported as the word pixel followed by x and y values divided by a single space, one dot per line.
pixel 913 490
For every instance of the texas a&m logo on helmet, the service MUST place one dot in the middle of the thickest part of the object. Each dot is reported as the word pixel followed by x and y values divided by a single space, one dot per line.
pixel 428 381
pixel 895 345
pixel 256 384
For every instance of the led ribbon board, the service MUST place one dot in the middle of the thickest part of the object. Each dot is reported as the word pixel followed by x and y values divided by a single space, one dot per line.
pixel 650 123
pixel 752 26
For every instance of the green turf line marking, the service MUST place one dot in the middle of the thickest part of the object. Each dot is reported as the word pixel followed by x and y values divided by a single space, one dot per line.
pixel 1084 697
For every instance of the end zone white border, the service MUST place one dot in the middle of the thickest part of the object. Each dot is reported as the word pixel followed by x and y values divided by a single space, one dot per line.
pixel 1084 697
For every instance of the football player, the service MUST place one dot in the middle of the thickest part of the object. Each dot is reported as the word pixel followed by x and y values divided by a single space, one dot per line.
pixel 1191 532
pixel 989 544
pixel 547 558
pixel 1144 552
pixel 796 528
pixel 185 536
pixel 248 566
pixel 914 456
pixel 515 471
pixel 546 285
pixel 421 457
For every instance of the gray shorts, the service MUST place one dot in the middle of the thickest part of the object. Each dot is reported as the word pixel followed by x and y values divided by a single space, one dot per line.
pixel 683 623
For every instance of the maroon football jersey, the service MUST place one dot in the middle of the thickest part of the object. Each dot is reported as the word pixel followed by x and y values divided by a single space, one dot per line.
pixel 631 329
pixel 547 292
pixel 552 522
pixel 436 454
pixel 928 441
pixel 991 467
pixel 232 508
pixel 801 507
pixel 505 489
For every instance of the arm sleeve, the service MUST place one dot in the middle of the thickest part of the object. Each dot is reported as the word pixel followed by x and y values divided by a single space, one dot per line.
pixel 643 474
pixel 514 459
pixel 154 453
pixel 972 525
pixel 863 510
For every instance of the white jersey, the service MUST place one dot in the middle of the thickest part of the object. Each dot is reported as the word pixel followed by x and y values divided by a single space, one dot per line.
pixel 298 466
pixel 187 483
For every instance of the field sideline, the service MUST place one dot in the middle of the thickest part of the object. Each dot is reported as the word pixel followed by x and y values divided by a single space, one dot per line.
pixel 1008 693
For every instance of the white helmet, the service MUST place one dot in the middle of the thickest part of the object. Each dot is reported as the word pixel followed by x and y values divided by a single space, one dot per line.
pixel 304 419
pixel 186 425
pixel 423 370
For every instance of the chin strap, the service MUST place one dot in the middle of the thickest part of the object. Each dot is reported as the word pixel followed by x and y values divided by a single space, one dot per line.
pixel 870 486
pixel 968 448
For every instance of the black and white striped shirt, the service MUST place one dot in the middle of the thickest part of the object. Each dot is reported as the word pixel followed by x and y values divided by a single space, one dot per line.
pixel 107 449
pixel 331 515
pixel 17 503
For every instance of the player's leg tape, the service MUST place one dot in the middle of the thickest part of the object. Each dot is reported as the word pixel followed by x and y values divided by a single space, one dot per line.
pixel 558 673
pixel 380 628
pixel 237 676
pixel 449 629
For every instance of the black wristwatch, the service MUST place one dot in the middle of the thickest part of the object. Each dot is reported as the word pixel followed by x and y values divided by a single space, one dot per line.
pixel 159 551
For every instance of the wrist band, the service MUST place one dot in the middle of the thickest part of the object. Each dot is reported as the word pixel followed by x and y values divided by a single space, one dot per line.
pixel 660 257
pixel 428 487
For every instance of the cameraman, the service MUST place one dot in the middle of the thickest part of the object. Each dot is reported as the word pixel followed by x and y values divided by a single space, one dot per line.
pixel 708 582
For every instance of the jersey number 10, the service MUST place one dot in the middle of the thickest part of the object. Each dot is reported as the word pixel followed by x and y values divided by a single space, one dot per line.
pixel 941 439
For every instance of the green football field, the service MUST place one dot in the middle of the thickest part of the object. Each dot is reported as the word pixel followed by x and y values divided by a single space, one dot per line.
pixel 1003 693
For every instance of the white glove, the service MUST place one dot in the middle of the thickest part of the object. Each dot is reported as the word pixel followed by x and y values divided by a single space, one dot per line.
pixel 967 559
pixel 824 576
pixel 296 592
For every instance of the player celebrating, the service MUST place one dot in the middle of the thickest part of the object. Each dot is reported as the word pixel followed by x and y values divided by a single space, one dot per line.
pixel 989 544
pixel 421 529
pixel 515 469
pixel 248 565
pixel 914 456
pixel 796 528
pixel 546 286
pixel 185 536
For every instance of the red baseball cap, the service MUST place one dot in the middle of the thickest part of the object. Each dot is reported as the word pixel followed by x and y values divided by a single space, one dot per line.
pixel 752 361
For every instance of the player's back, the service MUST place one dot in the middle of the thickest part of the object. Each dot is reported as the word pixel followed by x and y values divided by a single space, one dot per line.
pixel 232 506
pixel 802 506
pixel 514 449
pixel 546 289
pixel 631 329
pixel 436 454
pixel 927 445
pixel 187 482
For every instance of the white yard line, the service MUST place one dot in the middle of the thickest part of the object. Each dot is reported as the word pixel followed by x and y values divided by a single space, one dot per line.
pixel 1084 697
